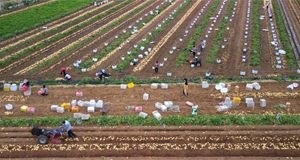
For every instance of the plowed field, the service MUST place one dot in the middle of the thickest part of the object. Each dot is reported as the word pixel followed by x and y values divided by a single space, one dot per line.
pixel 235 141
pixel 46 61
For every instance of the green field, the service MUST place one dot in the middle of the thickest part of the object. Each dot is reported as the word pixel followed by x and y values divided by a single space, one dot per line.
pixel 20 22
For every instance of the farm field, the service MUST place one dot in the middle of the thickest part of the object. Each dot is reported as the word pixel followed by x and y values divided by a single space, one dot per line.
pixel 155 141
pixel 34 56
pixel 245 42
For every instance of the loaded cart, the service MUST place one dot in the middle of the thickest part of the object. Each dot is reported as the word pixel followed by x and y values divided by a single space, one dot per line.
pixel 45 135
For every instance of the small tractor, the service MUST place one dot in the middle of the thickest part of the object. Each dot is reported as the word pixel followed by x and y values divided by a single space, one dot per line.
pixel 195 62
pixel 45 135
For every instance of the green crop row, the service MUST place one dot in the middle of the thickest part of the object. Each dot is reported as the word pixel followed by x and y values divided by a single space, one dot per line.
pixel 133 120
pixel 61 35
pixel 155 32
pixel 20 22
pixel 54 29
pixel 215 48
pixel 121 39
pixel 88 39
pixel 283 35
pixel 129 79
pixel 181 59
pixel 255 40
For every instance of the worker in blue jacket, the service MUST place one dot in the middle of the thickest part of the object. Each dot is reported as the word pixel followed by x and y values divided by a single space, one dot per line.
pixel 67 126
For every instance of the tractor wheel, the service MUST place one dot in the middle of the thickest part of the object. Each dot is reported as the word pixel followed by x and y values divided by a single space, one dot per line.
pixel 42 139
pixel 36 131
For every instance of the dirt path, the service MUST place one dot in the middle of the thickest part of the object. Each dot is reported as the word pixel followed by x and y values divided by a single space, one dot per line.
pixel 268 58
pixel 232 56
pixel 159 142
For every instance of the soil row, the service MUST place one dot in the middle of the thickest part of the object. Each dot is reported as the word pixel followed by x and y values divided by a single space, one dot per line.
pixel 166 144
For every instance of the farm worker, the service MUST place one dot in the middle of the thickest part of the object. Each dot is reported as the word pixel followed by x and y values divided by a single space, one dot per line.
pixel 63 71
pixel 26 83
pixel 68 128
pixel 194 50
pixel 95 3
pixel 68 77
pixel 199 60
pixel 102 70
pixel 202 45
pixel 185 87
pixel 156 66
pixel 101 73
pixel 44 91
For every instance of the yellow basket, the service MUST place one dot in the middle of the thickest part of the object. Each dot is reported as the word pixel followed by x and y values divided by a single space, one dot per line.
pixel 130 85
pixel 6 89
pixel 64 105
pixel 236 100
pixel 24 108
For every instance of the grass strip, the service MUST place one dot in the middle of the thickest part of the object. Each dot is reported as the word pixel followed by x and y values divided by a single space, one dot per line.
pixel 134 120
pixel 211 56
pixel 181 58
pixel 255 39
pixel 283 35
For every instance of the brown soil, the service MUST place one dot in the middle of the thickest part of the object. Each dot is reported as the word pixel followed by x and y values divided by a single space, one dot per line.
pixel 293 10
pixel 207 99
pixel 137 142
pixel 232 53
